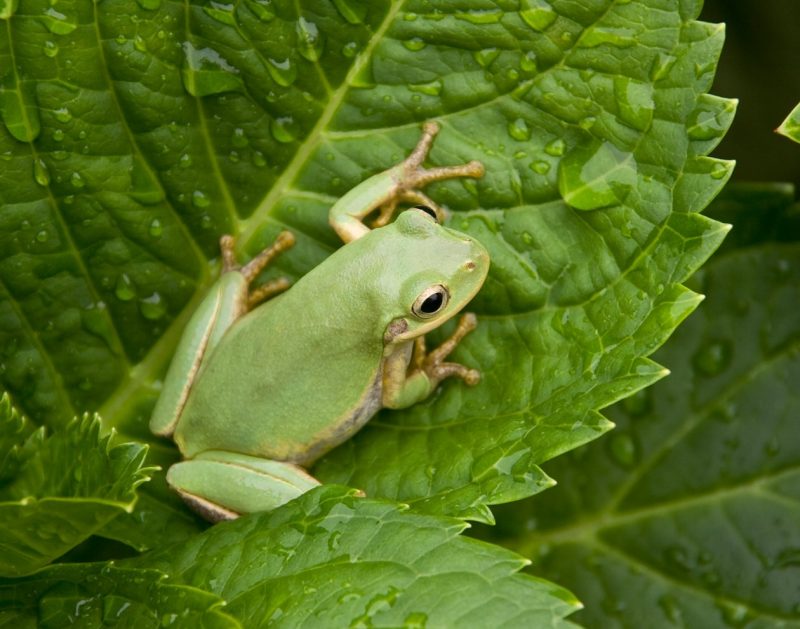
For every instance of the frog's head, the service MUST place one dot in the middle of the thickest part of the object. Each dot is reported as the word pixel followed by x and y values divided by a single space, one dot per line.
pixel 442 270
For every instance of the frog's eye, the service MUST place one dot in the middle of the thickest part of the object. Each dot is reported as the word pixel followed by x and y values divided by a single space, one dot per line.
pixel 428 210
pixel 431 301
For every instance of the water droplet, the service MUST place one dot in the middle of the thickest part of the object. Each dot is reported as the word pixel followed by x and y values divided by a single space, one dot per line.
pixel 528 62
pixel 635 102
pixel 262 9
pixel 259 159
pixel 538 14
pixel 587 122
pixel 205 222
pixel 284 129
pixel 76 180
pixel 414 44
pixel 222 13
pixel 350 49
pixel 709 121
pixel 600 35
pixel 433 88
pixel 662 64
pixel 205 71
pixel 40 172
pixel 62 114
pixel 152 307
pixel 353 11
pixel 42 235
pixel 282 72
pixel 712 358
pixel 416 620
pixel 57 23
pixel 310 40
pixel 50 49
pixel 480 16
pixel 185 160
pixel 58 135
pixel 139 43
pixel 596 176
pixel 540 167
pixel 555 148
pixel 623 449
pixel 720 170
pixel 519 130
pixel 200 199
pixel 156 229
pixel 238 138
pixel 124 288
pixel 486 56
pixel 671 608
pixel 234 157
pixel 678 557
pixel 734 614
pixel 149 5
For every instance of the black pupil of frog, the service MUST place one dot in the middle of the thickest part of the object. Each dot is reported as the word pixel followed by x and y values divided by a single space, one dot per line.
pixel 432 303
pixel 427 210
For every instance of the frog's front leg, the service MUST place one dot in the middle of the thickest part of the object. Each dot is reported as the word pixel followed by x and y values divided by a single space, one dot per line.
pixel 227 301
pixel 402 183
pixel 403 387
pixel 222 485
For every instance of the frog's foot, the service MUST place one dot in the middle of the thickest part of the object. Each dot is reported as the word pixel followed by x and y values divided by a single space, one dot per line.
pixel 222 485
pixel 433 363
pixel 250 271
pixel 412 176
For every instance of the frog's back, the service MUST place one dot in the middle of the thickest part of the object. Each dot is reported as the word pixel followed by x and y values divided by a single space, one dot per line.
pixel 317 379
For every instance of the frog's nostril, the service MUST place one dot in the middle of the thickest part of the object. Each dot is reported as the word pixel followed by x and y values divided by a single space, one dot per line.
pixel 470 265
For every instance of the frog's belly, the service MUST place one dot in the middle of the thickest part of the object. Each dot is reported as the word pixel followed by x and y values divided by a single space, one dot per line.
pixel 253 416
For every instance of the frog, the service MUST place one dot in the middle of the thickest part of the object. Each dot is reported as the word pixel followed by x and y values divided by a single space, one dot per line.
pixel 266 380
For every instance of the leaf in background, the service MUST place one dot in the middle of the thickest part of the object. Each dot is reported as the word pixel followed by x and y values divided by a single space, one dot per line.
pixel 791 126
pixel 335 560
pixel 136 134
pixel 687 515
pixel 98 595
pixel 67 489
pixel 19 439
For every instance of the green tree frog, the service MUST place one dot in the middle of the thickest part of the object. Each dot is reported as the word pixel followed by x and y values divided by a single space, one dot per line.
pixel 254 394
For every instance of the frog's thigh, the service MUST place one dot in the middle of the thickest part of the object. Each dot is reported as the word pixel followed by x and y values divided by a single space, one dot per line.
pixel 222 485
pixel 216 313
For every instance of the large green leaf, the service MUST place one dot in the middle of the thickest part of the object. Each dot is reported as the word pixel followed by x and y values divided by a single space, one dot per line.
pixel 791 126
pixel 136 134
pixel 63 489
pixel 688 514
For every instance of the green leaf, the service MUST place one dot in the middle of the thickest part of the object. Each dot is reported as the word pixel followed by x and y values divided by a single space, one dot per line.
pixel 19 439
pixel 97 595
pixel 791 126
pixel 332 559
pixel 67 488
pixel 164 125
pixel 687 515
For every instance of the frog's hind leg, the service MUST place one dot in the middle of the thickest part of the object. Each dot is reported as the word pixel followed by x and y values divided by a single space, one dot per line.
pixel 222 485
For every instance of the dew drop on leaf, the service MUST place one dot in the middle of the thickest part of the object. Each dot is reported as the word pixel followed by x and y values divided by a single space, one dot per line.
pixel 635 102
pixel 599 35
pixel 596 176
pixel 40 172
pixel 152 307
pixel 50 49
pixel 538 14
pixel 76 180
pixel 555 148
pixel 712 358
pixel 486 56
pixel 139 43
pixel 310 41
pixel 519 130
pixel 238 138
pixel 155 229
pixel 416 620
pixel 185 160
pixel 350 49
pixel 414 44
pixel 480 16
pixel 528 62
pixel 669 605
pixel 433 88
pixel 124 288
pixel 284 129
pixel 57 23
pixel 200 199
pixel 284 72
pixel 353 11
pixel 222 13
pixel 259 159
pixel 62 114
pixel 708 122
pixel 205 71
pixel 540 167
pixel 262 9
pixel 662 64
